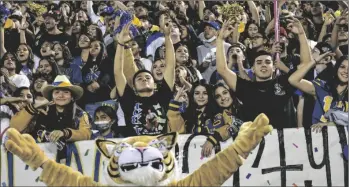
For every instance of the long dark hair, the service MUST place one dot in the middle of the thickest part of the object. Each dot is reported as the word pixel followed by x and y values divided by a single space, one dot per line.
pixel 245 33
pixel 55 70
pixel 235 106
pixel 30 60
pixel 189 64
pixel 102 54
pixel 17 63
pixel 210 108
pixel 67 56
pixel 333 82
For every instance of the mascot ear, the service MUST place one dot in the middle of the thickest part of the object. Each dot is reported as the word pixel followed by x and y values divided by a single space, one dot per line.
pixel 165 142
pixel 106 147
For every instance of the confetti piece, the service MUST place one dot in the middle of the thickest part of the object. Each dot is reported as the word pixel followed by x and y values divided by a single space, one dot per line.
pixel 3 184
pixel 268 182
pixel 37 179
pixel 248 176
pixel 26 167
pixel 295 145
pixel 294 185
pixel 315 149
pixel 86 153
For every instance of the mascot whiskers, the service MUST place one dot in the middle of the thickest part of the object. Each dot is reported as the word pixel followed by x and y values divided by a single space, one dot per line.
pixel 143 160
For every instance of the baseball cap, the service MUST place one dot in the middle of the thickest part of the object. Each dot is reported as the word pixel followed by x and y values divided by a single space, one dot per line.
pixel 239 45
pixel 213 24
pixel 323 47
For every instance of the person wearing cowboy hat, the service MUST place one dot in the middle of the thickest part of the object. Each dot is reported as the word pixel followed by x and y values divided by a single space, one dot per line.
pixel 61 117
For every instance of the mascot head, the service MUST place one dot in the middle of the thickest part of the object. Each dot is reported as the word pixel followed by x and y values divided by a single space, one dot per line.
pixel 140 160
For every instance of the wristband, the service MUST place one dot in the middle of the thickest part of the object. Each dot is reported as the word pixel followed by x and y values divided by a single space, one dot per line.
pixel 123 45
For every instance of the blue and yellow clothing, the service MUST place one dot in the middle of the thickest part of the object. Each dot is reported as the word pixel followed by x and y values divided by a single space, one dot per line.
pixel 217 129
pixel 73 72
pixel 78 130
pixel 324 102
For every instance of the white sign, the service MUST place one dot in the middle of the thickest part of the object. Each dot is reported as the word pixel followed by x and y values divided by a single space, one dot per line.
pixel 287 157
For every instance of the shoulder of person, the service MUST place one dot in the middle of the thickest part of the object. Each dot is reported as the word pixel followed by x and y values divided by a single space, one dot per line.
pixel 319 82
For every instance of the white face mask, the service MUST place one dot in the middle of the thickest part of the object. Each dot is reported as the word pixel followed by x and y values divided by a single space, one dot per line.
pixel 209 40
pixel 103 125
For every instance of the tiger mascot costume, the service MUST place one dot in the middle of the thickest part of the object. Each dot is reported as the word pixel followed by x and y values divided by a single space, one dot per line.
pixel 143 160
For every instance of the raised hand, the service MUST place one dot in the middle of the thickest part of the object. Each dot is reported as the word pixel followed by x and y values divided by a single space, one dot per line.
pixel 226 29
pixel 179 94
pixel 42 103
pixel 328 18
pixel 167 29
pixel 250 134
pixel 24 146
pixel 320 57
pixel 295 26
pixel 124 36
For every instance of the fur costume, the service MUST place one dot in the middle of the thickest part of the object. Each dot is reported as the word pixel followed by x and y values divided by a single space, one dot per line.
pixel 143 160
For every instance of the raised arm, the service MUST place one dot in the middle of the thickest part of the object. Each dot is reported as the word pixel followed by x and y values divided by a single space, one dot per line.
pixel 221 167
pixel 328 20
pixel 201 9
pixel 335 30
pixel 130 67
pixel 222 68
pixel 254 11
pixel 120 79
pixel 2 41
pixel 169 74
pixel 307 61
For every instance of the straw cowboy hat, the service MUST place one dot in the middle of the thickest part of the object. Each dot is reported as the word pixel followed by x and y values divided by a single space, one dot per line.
pixel 61 81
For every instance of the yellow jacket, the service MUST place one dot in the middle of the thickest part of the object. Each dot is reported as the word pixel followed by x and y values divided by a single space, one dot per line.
pixel 22 119
pixel 221 123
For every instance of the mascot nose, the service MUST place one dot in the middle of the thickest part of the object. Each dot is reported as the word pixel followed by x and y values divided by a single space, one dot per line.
pixel 141 149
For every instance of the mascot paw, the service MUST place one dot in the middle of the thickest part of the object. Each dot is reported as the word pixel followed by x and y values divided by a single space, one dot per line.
pixel 24 146
pixel 250 134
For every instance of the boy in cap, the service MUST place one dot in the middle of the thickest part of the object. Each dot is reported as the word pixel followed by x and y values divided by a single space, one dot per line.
pixel 207 52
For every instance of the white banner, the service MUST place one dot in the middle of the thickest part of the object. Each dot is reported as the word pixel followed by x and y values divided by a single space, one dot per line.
pixel 290 157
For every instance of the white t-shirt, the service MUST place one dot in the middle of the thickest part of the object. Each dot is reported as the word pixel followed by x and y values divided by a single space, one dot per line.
pixel 20 80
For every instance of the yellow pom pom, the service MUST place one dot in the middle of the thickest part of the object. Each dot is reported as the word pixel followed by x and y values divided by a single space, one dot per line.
pixel 337 13
pixel 241 27
pixel 8 24
pixel 136 22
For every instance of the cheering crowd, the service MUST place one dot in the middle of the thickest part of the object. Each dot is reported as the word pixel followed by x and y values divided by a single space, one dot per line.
pixel 73 71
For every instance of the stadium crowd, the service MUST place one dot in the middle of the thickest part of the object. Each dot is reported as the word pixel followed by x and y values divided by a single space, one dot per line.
pixel 73 71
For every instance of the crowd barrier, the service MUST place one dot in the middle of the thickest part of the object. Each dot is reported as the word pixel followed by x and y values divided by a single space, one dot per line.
pixel 289 157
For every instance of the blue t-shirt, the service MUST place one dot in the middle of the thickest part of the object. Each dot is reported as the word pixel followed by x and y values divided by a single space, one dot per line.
pixel 324 102
pixel 73 73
